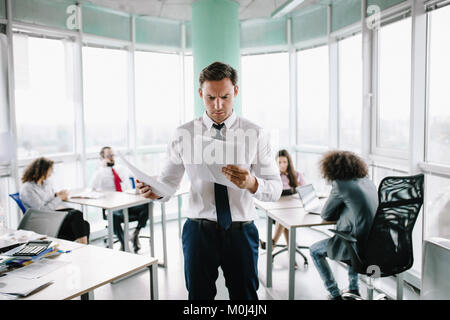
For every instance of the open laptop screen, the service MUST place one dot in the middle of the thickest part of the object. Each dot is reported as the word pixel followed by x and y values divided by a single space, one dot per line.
pixel 308 197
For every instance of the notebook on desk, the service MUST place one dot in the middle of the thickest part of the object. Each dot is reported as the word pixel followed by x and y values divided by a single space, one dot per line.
pixel 309 199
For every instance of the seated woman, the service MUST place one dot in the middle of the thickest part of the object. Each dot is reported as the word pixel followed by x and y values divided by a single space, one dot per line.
pixel 352 203
pixel 291 179
pixel 37 193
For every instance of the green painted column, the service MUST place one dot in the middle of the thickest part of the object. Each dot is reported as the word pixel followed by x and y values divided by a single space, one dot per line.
pixel 215 37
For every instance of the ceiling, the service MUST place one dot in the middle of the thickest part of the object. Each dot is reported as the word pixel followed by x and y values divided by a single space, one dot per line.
pixel 182 9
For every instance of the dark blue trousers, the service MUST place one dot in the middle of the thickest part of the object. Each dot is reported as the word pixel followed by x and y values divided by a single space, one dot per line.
pixel 206 248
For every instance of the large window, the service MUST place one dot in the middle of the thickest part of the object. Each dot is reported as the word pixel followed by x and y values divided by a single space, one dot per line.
pixel 438 138
pixel 313 96
pixel 189 87
pixel 394 82
pixel 350 93
pixel 265 94
pixel 44 104
pixel 105 80
pixel 158 96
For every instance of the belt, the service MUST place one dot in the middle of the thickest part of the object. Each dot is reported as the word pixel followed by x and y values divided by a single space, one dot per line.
pixel 209 223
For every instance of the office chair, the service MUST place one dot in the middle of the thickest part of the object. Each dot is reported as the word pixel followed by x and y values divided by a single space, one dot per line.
pixel 388 248
pixel 16 198
pixel 43 222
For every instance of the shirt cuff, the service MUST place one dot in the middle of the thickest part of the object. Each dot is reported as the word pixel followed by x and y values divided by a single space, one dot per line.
pixel 260 186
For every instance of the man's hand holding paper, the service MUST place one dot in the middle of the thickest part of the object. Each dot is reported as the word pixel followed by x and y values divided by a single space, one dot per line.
pixel 241 177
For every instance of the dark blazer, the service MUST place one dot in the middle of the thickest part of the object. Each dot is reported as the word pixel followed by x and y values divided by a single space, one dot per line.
pixel 353 204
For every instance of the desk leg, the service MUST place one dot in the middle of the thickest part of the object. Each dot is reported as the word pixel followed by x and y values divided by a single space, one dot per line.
pixel 109 215
pixel 180 202
pixel 88 296
pixel 292 247
pixel 269 253
pixel 153 281
pixel 152 233
pixel 126 235
pixel 163 224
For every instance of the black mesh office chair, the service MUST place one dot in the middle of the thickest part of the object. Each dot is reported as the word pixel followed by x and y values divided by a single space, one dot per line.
pixel 388 248
pixel 43 222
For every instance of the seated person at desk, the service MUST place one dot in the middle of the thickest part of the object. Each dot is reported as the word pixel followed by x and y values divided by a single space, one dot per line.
pixel 291 179
pixel 109 177
pixel 37 193
pixel 352 203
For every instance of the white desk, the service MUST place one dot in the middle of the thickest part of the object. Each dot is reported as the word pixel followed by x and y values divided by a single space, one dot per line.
pixel 113 201
pixel 288 211
pixel 90 267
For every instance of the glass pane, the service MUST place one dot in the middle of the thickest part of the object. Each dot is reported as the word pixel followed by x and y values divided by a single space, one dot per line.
pixel 105 97
pixel 44 103
pixel 308 165
pixel 394 85
pixel 350 94
pixel 313 96
pixel 437 207
pixel 438 139
pixel 158 97
pixel 265 99
pixel 189 87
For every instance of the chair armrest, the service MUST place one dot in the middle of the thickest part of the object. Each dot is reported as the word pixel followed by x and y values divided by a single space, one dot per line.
pixel 344 236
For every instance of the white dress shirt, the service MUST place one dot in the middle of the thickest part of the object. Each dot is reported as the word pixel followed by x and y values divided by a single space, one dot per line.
pixel 202 205
pixel 103 179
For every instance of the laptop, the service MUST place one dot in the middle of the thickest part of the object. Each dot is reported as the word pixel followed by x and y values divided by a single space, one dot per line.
pixel 309 199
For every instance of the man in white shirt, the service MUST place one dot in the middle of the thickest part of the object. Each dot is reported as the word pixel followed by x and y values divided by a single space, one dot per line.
pixel 110 177
pixel 219 230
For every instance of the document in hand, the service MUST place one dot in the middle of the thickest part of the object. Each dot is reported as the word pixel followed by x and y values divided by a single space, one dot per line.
pixel 158 188
pixel 216 154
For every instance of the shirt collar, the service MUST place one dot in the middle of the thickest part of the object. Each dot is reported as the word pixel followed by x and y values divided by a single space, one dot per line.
pixel 208 122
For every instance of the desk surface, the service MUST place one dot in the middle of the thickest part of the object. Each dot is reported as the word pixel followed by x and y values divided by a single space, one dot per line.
pixel 297 218
pixel 89 267
pixel 112 200
pixel 285 202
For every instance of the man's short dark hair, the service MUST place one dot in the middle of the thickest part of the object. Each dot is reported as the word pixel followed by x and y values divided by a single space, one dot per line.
pixel 102 152
pixel 217 71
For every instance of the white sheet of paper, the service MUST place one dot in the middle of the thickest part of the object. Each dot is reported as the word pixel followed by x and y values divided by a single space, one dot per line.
pixel 19 286
pixel 157 187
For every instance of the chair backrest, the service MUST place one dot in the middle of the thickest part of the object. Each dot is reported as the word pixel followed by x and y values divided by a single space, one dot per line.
pixel 43 222
pixel 389 244
pixel 16 198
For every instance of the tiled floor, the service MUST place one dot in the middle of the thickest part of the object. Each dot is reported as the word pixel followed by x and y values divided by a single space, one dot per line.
pixel 171 285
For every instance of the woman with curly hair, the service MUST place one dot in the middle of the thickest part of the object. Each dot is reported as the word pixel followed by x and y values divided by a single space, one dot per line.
pixel 37 193
pixel 352 203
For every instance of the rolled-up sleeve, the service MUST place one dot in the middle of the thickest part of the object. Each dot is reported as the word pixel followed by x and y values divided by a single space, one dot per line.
pixel 266 171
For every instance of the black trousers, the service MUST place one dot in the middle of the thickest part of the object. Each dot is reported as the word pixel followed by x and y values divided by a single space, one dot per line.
pixel 137 213
pixel 206 248
pixel 74 226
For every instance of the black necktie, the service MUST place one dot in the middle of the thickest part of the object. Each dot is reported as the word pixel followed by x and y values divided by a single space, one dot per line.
pixel 221 195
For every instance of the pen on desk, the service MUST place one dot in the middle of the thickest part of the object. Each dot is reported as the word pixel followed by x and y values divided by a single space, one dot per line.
pixel 62 251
